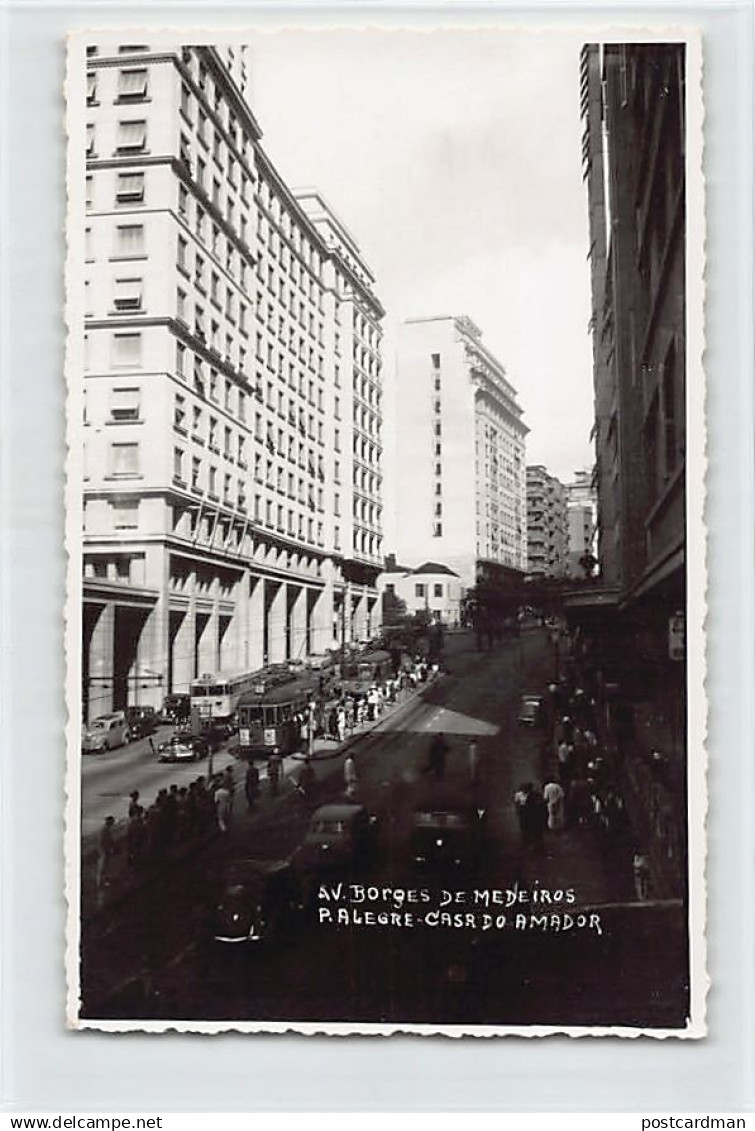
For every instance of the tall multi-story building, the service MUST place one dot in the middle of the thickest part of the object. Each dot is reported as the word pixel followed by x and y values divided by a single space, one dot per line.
pixel 460 464
pixel 547 530
pixel 582 511
pixel 633 103
pixel 232 473
pixel 633 149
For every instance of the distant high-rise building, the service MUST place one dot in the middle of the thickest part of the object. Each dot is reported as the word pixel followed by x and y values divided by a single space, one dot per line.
pixel 582 510
pixel 547 535
pixel 232 433
pixel 460 463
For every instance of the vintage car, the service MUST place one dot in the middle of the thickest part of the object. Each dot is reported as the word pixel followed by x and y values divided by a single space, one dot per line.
pixel 530 711
pixel 445 836
pixel 341 836
pixel 176 707
pixel 142 721
pixel 105 733
pixel 260 903
pixel 182 748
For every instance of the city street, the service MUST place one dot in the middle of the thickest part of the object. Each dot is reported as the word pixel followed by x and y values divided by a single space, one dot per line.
pixel 148 954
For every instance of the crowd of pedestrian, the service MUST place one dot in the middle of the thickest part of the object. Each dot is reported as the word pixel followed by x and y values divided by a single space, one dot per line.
pixel 579 790
pixel 178 815
pixel 350 708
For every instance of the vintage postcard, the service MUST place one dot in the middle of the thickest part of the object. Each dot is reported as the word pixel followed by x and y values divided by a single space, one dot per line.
pixel 385 530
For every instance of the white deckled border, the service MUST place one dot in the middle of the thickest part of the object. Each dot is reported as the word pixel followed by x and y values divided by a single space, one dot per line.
pixel 696 553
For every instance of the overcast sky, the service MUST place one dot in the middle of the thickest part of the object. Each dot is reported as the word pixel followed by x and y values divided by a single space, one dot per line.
pixel 454 159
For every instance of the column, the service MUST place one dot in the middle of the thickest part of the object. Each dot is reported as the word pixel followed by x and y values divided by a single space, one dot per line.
pixel 154 640
pixel 207 645
pixel 321 614
pixel 277 623
pixel 235 640
pixel 185 641
pixel 101 647
pixel 359 630
pixel 255 622
pixel 374 621
pixel 297 596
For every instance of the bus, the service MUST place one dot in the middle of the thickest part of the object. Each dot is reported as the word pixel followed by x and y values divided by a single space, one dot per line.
pixel 358 673
pixel 217 696
pixel 270 718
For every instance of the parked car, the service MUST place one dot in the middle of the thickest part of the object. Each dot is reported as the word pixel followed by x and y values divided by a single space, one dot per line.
pixel 183 748
pixel 446 836
pixel 319 661
pixel 105 733
pixel 176 707
pixel 340 836
pixel 530 711
pixel 260 903
pixel 142 721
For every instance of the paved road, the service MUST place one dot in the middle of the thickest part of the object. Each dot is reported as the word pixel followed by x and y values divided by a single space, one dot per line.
pixel 149 958
pixel 107 779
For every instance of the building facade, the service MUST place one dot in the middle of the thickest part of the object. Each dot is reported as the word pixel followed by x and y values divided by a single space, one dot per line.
pixel 232 447
pixel 460 462
pixel 582 518
pixel 547 524
pixel 432 588
pixel 633 105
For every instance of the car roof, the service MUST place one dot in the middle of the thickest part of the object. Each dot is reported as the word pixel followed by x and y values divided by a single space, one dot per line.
pixel 336 812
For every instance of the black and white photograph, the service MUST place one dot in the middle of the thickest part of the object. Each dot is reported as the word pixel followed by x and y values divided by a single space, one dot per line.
pixel 386 584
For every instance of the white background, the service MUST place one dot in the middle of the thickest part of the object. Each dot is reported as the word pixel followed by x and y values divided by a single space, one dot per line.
pixel 45 1067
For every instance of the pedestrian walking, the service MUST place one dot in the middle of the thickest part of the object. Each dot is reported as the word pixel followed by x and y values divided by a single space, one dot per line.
pixel 641 869
pixel 135 835
pixel 274 773
pixel 306 783
pixel 564 755
pixel 473 757
pixel 553 795
pixel 106 850
pixel 251 785
pixel 341 724
pixel 350 776
pixel 436 763
pixel 222 799
pixel 230 784
pixel 520 805
pixel 134 805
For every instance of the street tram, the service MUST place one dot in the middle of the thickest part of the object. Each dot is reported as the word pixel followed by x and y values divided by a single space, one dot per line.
pixel 270 717
pixel 359 673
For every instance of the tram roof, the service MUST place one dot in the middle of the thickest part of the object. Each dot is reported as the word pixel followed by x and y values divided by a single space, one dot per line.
pixel 280 693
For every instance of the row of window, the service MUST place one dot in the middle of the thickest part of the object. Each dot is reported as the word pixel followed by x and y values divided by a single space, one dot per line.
pixel 421 590
pixel 206 384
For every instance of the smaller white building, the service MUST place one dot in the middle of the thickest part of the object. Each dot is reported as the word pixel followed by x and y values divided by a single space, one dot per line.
pixel 432 587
